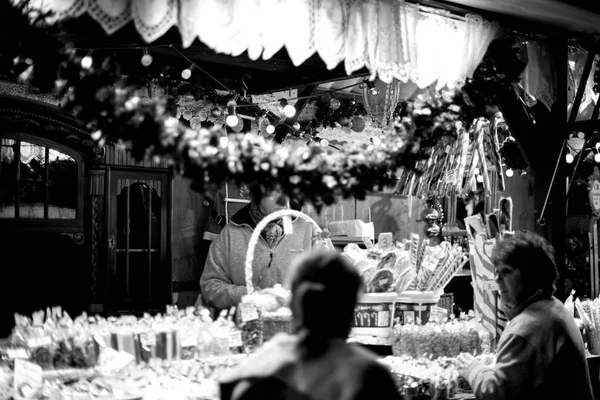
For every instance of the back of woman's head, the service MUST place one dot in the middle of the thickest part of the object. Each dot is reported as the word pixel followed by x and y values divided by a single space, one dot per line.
pixel 324 289
pixel 533 256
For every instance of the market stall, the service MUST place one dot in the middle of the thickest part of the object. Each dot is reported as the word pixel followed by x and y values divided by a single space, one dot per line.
pixel 426 80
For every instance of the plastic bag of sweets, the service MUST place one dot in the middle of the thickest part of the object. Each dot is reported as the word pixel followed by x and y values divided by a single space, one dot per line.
pixel 424 344
pixel 452 340
pixel 39 342
pixel 188 331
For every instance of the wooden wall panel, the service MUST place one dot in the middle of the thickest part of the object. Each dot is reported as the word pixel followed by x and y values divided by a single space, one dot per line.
pixel 122 157
pixel 521 190
pixel 389 213
pixel 392 213
pixel 189 221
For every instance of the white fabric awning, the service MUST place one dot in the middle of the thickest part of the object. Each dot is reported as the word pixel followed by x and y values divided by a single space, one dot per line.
pixel 391 38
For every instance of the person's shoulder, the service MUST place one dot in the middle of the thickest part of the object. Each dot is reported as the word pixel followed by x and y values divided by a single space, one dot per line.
pixel 269 358
pixel 542 316
pixel 359 355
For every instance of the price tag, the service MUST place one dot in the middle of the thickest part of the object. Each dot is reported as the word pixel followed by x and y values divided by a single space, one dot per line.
pixel 249 312
pixel 39 341
pixel 148 339
pixel 287 225
pixel 439 312
pixel 28 377
pixel 385 239
pixel 429 262
pixel 490 285
pixel 235 338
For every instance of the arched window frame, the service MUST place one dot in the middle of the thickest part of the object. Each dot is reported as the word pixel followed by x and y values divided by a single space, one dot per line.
pixel 58 224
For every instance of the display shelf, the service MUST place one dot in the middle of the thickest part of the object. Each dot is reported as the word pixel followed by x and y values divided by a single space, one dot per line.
pixel 344 240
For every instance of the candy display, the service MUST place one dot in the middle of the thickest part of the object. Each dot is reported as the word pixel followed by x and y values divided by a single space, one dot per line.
pixel 424 378
pixel 437 340
pixel 409 265
pixel 157 380
pixel 262 314
pixel 53 340
pixel 181 354
pixel 589 314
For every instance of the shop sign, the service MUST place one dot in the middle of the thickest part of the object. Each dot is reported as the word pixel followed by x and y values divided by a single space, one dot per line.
pixel 372 315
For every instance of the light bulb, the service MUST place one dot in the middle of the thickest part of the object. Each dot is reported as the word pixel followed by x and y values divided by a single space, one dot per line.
pixel 569 158
pixel 147 60
pixel 186 73
pixel 479 178
pixel 476 171
pixel 289 110
pixel 270 129
pixel 509 172
pixel 86 62
pixel 232 120
pixel 597 157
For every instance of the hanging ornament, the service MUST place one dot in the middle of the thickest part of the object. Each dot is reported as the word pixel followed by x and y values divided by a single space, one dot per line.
pixel 358 124
pixel 187 115
pixel 335 104
pixel 239 126
pixel 433 230
pixel 216 112
pixel 296 126
pixel 343 120
pixel 431 215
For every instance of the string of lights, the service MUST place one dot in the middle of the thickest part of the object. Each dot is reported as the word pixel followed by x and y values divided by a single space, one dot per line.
pixel 232 117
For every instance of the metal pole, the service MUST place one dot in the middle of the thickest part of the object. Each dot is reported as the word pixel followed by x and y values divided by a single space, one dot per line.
pixel 572 117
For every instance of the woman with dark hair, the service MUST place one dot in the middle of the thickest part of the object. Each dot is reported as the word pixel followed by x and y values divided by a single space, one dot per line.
pixel 540 354
pixel 315 362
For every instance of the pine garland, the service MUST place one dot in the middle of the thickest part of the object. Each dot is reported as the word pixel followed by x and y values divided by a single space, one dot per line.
pixel 105 99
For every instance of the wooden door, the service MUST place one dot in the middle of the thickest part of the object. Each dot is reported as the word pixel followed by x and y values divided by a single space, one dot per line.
pixel 139 272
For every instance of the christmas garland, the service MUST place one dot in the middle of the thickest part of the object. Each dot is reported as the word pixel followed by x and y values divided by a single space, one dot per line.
pixel 106 101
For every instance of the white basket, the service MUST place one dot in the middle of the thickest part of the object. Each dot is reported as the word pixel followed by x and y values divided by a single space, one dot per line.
pixel 256 235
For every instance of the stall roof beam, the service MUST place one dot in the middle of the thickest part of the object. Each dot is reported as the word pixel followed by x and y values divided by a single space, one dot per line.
pixel 563 15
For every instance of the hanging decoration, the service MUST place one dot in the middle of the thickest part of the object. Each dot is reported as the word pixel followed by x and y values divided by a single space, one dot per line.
pixel 95 91
pixel 511 155
pixel 500 68
pixel 337 112
pixel 433 216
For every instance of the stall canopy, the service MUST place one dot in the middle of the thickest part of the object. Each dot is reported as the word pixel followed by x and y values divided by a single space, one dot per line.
pixel 581 16
pixel 390 39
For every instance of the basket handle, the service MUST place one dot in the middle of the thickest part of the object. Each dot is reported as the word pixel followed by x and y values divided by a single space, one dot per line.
pixel 256 234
